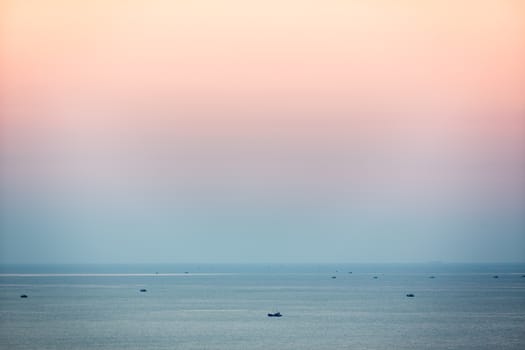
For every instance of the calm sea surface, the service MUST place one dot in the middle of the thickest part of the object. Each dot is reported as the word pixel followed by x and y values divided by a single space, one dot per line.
pixel 226 306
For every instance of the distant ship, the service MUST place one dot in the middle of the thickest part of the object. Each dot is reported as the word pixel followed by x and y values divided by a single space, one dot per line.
pixel 277 314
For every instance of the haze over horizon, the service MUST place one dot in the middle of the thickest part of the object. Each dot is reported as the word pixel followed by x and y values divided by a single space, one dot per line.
pixel 271 131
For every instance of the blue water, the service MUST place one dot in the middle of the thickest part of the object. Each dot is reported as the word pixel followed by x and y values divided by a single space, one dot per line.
pixel 225 307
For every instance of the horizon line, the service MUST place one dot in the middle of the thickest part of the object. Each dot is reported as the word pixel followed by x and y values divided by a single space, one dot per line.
pixel 267 263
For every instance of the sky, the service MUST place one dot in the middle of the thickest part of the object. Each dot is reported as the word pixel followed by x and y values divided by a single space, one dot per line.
pixel 136 131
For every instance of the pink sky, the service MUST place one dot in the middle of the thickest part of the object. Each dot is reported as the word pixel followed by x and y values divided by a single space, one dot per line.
pixel 431 74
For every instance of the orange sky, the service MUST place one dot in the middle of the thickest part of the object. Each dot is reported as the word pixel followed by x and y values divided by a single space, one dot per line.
pixel 305 53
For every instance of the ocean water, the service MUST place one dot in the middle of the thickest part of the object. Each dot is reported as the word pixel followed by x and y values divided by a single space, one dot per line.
pixel 226 306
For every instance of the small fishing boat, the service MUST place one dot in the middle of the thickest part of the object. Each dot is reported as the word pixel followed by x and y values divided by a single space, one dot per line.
pixel 276 314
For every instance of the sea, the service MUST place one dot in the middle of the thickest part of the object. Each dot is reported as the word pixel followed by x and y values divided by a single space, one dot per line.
pixel 226 306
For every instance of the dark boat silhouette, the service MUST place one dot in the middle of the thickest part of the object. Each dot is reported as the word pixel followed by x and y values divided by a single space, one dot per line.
pixel 276 314
pixel 143 290
pixel 410 295
pixel 23 296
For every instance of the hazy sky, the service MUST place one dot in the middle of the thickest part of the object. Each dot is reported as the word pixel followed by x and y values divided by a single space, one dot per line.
pixel 262 131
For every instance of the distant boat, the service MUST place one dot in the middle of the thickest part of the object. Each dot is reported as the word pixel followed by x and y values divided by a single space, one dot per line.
pixel 143 290
pixel 495 276
pixel 432 277
pixel 334 277
pixel 375 277
pixel 23 296
pixel 276 314
pixel 410 295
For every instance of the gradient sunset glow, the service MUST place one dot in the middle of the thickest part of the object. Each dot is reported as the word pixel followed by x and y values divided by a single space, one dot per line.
pixel 222 130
